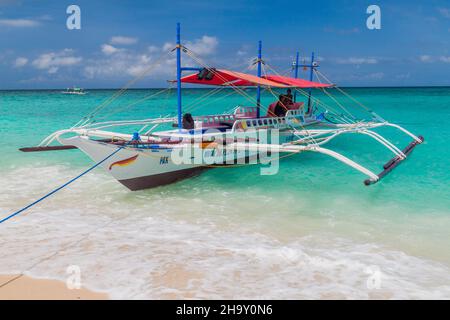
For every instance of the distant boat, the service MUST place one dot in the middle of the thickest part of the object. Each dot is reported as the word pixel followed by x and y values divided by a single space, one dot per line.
pixel 74 90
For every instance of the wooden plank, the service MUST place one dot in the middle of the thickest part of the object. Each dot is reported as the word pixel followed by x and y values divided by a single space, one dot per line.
pixel 394 162
pixel 47 148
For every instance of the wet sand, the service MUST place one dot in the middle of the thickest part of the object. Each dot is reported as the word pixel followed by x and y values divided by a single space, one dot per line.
pixel 26 288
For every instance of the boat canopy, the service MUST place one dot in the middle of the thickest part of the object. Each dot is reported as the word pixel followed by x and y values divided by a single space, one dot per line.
pixel 298 83
pixel 221 77
pixel 216 77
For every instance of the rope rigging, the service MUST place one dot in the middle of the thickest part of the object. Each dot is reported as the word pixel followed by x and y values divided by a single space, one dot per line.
pixel 367 109
pixel 314 99
pixel 87 118
pixel 63 185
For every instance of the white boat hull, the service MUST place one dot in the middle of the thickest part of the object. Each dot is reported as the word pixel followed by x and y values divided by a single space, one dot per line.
pixel 141 168
pixel 136 168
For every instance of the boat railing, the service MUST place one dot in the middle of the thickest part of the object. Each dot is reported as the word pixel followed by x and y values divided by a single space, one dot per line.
pixel 97 126
pixel 106 124
pixel 259 123
pixel 245 112
pixel 295 112
pixel 291 117
pixel 214 120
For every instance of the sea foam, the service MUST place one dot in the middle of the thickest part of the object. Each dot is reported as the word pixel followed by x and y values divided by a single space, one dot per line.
pixel 163 243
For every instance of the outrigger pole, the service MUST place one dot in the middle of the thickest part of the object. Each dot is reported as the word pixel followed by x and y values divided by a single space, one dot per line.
pixel 311 67
pixel 179 109
pixel 180 70
pixel 311 74
pixel 258 89
pixel 296 73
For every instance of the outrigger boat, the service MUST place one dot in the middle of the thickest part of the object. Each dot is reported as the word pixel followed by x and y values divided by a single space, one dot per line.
pixel 75 91
pixel 149 158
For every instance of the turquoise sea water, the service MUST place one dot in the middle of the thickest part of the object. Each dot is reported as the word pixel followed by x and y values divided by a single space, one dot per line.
pixel 311 231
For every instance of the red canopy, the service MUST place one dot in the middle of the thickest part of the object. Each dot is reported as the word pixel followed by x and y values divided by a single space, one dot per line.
pixel 298 83
pixel 234 78
pixel 229 78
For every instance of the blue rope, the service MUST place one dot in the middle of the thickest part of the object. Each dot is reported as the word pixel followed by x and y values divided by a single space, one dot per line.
pixel 62 186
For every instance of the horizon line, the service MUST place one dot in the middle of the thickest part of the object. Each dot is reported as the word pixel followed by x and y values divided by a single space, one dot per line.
pixel 206 88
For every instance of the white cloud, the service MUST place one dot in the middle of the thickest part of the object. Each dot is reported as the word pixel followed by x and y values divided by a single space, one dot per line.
pixel 52 61
pixel 45 17
pixel 128 63
pixel 375 76
pixel 20 62
pixel 426 58
pixel 403 76
pixel 153 49
pixel 168 46
pixel 118 62
pixel 140 65
pixel 430 59
pixel 445 12
pixel 357 61
pixel 366 76
pixel 203 46
pixel 109 49
pixel 19 23
pixel 241 53
pixel 121 40
pixel 342 31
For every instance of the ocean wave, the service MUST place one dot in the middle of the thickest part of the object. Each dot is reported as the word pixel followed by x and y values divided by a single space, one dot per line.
pixel 177 242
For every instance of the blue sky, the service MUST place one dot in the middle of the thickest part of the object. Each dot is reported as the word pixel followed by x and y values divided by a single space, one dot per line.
pixel 119 39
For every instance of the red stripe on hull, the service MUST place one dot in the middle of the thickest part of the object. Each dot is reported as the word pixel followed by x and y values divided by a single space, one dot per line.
pixel 124 162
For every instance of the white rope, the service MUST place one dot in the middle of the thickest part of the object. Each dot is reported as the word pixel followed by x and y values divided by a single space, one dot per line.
pixel 87 118
pixel 293 129
pixel 367 109
pixel 314 100
pixel 239 90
